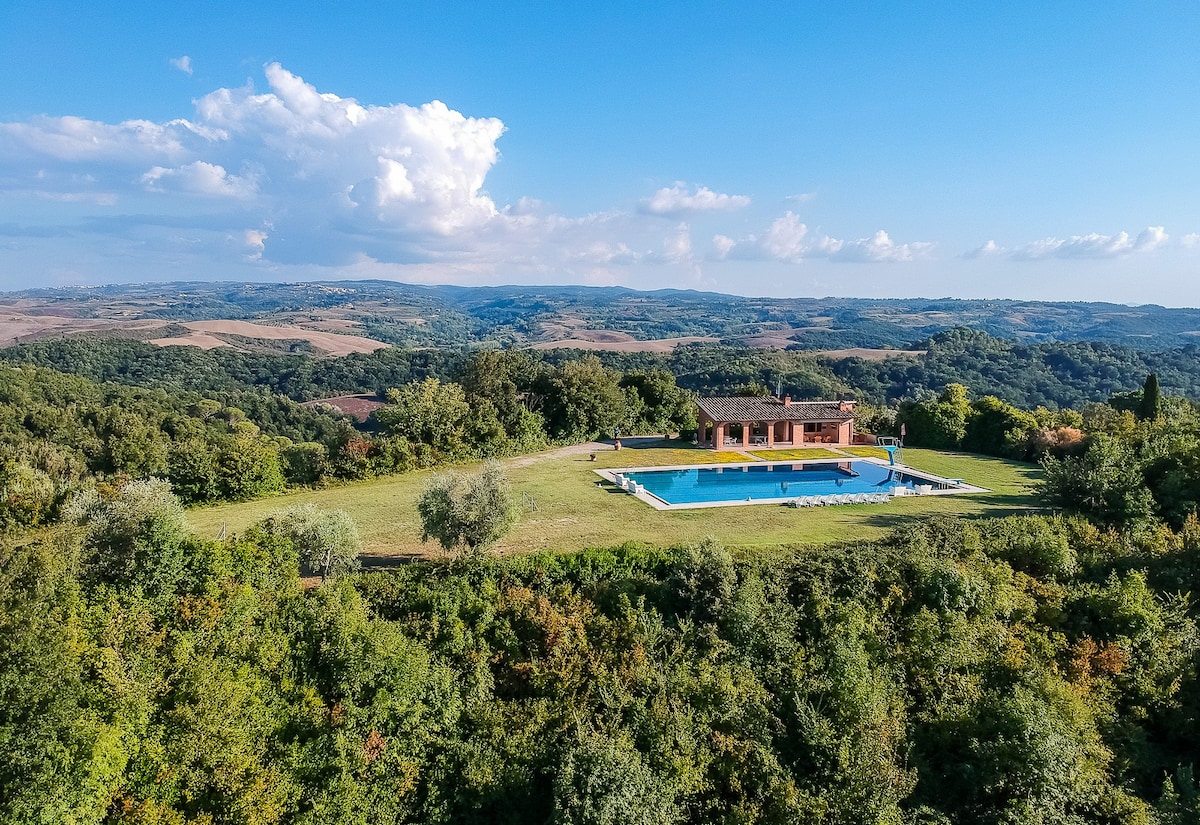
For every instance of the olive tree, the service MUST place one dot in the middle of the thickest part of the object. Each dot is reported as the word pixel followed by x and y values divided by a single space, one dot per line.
pixel 326 541
pixel 464 509
pixel 133 535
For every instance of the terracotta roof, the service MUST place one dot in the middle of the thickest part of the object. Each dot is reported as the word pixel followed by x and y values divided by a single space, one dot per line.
pixel 772 409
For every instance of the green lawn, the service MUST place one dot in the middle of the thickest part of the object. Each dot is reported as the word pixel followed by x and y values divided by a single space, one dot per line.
pixel 565 510
pixel 867 452
pixel 797 454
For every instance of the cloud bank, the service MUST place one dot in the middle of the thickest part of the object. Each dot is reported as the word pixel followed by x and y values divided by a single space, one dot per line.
pixel 290 178
pixel 789 240
pixel 1091 246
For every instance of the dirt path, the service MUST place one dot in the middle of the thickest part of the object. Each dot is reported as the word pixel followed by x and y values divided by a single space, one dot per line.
pixel 635 442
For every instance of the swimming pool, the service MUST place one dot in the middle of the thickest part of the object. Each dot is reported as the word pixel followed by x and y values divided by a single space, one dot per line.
pixel 779 481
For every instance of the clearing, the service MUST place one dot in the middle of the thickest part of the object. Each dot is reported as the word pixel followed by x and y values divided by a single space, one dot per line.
pixel 205 335
pixel 565 509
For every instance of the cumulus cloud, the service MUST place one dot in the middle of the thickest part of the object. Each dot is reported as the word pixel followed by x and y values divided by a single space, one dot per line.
pixel 989 250
pixel 680 200
pixel 183 63
pixel 1190 240
pixel 1093 245
pixel 255 241
pixel 200 178
pixel 788 239
pixel 324 180
pixel 329 169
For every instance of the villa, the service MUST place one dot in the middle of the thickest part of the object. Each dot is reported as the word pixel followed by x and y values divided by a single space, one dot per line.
pixel 740 422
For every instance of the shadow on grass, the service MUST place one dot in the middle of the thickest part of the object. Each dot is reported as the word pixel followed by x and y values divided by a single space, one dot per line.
pixel 653 442
pixel 997 506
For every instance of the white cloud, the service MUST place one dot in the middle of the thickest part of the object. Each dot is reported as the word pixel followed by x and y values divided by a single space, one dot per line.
pixel 676 247
pixel 1190 240
pixel 880 248
pixel 200 178
pixel 183 63
pixel 328 169
pixel 989 250
pixel 1093 245
pixel 789 240
pixel 678 200
pixel 256 242
pixel 391 190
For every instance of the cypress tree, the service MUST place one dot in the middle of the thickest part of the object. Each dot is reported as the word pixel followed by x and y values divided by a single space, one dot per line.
pixel 1151 406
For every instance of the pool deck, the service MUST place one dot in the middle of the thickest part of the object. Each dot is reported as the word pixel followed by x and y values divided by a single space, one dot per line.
pixel 957 486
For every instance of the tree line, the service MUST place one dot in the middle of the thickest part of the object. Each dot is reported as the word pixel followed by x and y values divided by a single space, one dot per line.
pixel 1049 374
pixel 60 433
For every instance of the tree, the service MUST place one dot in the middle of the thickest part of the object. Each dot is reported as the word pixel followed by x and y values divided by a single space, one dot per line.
pixel 1105 482
pixel 1150 407
pixel 472 510
pixel 997 428
pixel 583 400
pixel 134 535
pixel 427 412
pixel 326 541
pixel 939 423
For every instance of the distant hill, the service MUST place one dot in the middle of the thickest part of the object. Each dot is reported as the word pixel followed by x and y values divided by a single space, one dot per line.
pixel 596 317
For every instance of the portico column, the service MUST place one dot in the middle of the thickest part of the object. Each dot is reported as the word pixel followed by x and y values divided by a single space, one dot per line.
pixel 745 433
pixel 770 434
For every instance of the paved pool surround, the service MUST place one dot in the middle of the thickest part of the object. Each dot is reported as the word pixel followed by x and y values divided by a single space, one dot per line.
pixel 938 485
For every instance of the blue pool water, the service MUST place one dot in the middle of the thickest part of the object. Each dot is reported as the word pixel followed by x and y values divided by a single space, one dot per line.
pixel 754 482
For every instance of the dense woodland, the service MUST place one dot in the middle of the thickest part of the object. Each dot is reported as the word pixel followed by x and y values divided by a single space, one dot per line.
pixel 1052 374
pixel 1031 669
pixel 1021 670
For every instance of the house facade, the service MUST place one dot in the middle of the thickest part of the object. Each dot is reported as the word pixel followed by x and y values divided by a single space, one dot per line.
pixel 737 422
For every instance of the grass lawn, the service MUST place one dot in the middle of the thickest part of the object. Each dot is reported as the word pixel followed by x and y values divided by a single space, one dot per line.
pixel 867 452
pixel 565 510
pixel 798 454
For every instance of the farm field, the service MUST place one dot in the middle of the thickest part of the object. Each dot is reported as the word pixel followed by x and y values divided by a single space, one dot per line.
pixel 565 510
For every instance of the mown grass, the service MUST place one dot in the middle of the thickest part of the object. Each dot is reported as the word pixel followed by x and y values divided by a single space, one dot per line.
pixel 797 454
pixel 566 510
pixel 867 452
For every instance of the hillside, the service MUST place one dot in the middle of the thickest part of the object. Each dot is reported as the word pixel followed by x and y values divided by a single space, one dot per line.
pixel 606 318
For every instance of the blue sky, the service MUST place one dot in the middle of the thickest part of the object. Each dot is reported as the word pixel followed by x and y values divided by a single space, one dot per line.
pixel 937 149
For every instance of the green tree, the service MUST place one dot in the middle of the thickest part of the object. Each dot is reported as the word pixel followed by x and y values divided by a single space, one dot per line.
pixel 427 412
pixel 937 422
pixel 1150 407
pixel 471 510
pixel 133 535
pixel 1106 482
pixel 326 541
pixel 997 428
pixel 603 780
pixel 583 400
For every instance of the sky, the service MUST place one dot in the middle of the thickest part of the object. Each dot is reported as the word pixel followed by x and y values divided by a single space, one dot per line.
pixel 937 149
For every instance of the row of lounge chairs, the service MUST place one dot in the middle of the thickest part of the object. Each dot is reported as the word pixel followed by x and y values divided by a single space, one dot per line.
pixel 842 498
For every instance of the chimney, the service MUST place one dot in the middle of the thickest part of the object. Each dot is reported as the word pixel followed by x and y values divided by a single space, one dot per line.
pixel 845 406
pixel 787 401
